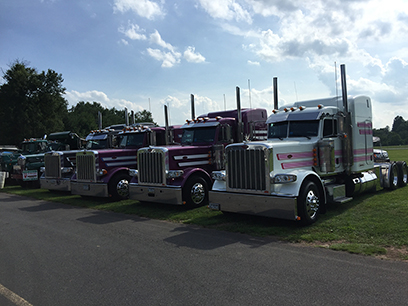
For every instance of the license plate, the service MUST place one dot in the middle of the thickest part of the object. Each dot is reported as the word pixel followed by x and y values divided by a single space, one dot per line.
pixel 150 191
pixel 85 187
pixel 214 206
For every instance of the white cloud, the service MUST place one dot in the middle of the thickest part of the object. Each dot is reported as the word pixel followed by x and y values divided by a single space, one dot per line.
pixel 226 10
pixel 168 59
pixel 143 8
pixel 253 63
pixel 193 57
pixel 155 38
pixel 73 97
pixel 133 32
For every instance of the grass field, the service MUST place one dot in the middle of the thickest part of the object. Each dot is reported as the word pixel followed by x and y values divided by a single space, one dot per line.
pixel 371 224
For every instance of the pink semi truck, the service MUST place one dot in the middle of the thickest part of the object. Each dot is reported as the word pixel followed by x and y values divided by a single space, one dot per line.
pixel 181 174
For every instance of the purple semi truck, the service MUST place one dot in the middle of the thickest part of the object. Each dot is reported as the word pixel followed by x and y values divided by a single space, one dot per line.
pixel 59 166
pixel 181 174
pixel 105 173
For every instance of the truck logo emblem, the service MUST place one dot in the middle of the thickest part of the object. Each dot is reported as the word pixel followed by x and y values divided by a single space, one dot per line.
pixel 290 156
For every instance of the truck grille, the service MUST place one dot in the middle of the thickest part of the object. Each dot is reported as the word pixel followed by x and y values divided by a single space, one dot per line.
pixel 151 168
pixel 52 165
pixel 85 167
pixel 246 169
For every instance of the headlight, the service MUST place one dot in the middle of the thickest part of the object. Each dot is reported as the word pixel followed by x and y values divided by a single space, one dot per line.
pixel 133 172
pixel 21 160
pixel 174 173
pixel 101 172
pixel 282 178
pixel 42 169
pixel 219 175
pixel 67 170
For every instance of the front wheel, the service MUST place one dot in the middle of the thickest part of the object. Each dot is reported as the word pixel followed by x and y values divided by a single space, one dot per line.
pixel 195 192
pixel 119 186
pixel 308 203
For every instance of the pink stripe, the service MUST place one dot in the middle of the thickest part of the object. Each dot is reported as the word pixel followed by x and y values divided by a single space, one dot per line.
pixel 364 124
pixel 306 163
pixel 285 156
pixel 365 132
pixel 362 151
pixel 360 158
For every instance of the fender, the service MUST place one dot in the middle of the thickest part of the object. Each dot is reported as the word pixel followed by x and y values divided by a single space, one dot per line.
pixel 191 171
pixel 294 188
pixel 107 178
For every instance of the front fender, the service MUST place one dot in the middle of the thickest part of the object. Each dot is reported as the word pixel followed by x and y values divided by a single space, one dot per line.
pixel 294 188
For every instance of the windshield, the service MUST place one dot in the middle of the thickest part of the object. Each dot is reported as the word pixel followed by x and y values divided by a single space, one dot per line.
pixel 97 144
pixel 198 135
pixel 34 147
pixel 132 140
pixel 293 129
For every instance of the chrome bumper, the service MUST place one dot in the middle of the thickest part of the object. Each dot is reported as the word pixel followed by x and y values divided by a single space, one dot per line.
pixel 250 204
pixel 60 184
pixel 90 189
pixel 166 195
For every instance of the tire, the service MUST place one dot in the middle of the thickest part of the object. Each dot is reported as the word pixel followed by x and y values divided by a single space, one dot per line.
pixel 195 192
pixel 308 203
pixel 402 173
pixel 119 186
pixel 393 176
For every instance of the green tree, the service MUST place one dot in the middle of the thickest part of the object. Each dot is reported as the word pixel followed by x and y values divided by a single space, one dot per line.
pixel 31 103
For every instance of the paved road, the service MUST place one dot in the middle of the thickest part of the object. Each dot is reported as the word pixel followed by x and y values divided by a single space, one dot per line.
pixel 53 254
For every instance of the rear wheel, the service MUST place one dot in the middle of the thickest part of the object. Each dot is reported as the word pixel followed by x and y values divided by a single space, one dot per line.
pixel 308 203
pixel 195 192
pixel 119 186
pixel 402 173
pixel 393 176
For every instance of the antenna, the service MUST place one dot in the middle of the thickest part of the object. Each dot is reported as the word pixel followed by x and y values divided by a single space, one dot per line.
pixel 335 79
pixel 294 83
pixel 149 106
pixel 249 93
pixel 225 103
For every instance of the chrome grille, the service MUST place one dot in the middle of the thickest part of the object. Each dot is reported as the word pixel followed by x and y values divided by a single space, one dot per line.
pixel 151 167
pixel 52 165
pixel 85 167
pixel 246 168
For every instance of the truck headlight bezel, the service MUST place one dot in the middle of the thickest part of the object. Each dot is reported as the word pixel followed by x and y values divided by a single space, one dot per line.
pixel 282 178
pixel 170 174
pixel 219 175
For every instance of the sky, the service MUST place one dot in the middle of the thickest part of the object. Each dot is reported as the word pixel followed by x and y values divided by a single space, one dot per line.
pixel 144 54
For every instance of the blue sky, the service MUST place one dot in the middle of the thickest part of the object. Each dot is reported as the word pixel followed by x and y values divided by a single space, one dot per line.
pixel 143 54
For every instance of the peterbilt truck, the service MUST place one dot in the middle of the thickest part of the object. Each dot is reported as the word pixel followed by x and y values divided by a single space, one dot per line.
pixel 105 173
pixel 27 169
pixel 181 174
pixel 317 152
pixel 59 166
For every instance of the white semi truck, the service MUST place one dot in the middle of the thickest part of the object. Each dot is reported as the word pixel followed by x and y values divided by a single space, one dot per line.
pixel 317 152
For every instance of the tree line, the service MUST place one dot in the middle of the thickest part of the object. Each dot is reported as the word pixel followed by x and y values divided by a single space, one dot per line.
pixel 396 136
pixel 32 105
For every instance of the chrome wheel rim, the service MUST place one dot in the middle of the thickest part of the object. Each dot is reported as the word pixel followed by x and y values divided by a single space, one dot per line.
pixel 312 204
pixel 123 188
pixel 197 193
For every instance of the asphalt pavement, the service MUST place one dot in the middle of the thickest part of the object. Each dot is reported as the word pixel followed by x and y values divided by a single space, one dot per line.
pixel 55 254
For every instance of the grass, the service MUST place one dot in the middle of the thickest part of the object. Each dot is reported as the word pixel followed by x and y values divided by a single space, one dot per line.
pixel 371 224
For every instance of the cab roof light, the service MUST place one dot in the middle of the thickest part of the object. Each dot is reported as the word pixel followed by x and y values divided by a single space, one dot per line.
pixel 286 109
pixel 293 109
pixel 275 111
pixel 302 108
pixel 218 118
pixel 320 106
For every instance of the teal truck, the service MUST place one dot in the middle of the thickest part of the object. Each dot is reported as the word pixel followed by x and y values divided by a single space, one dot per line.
pixel 25 168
